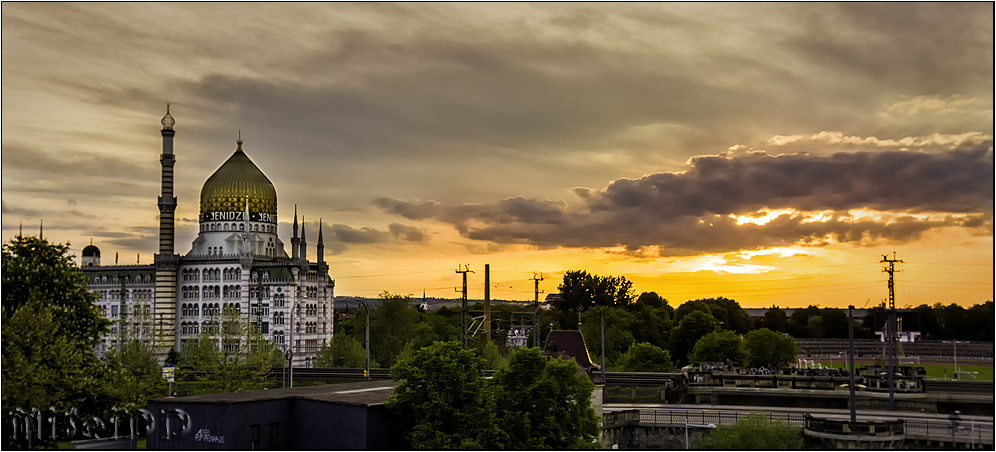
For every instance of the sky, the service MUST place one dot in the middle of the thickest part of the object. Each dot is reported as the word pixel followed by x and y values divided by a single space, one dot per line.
pixel 767 152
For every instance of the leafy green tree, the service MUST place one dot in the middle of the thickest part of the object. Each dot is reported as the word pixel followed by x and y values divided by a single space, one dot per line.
pixel 443 394
pixel 579 290
pixel 134 358
pixel 834 323
pixel 38 360
pixel 755 432
pixel 442 325
pixel 729 315
pixel 544 403
pixel 652 321
pixel 720 346
pixel 392 324
pixel 491 353
pixel 343 351
pixel 654 300
pixel 800 324
pixel 689 306
pixel 770 349
pixel 33 265
pixel 618 333
pixel 692 327
pixel 230 355
pixel 775 319
pixel 644 357
pixel 51 328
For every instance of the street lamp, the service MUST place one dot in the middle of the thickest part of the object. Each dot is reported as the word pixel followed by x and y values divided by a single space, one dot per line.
pixel 366 371
pixel 290 345
pixel 603 341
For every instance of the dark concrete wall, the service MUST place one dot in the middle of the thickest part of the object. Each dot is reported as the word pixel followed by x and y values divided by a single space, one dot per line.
pixel 303 424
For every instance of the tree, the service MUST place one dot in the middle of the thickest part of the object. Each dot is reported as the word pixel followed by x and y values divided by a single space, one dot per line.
pixel 654 300
pixel 35 266
pixel 834 323
pixel 230 355
pixel 618 333
pixel 51 328
pixel 543 403
pixel 443 394
pixel 644 357
pixel 392 324
pixel 134 360
pixel 580 290
pixel 689 306
pixel 775 320
pixel 652 321
pixel 755 432
pixel 692 327
pixel 770 349
pixel 720 346
pixel 800 324
pixel 343 351
pixel 533 402
pixel 729 315
pixel 37 359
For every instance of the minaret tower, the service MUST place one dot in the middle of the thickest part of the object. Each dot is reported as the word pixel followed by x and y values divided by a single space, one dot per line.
pixel 165 261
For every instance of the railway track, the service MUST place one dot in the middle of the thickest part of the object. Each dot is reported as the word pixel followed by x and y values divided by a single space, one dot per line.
pixel 343 375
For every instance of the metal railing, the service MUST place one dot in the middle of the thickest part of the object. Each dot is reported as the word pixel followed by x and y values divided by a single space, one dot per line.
pixel 964 430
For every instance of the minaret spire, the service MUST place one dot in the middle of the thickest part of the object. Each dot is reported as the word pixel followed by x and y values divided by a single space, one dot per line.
pixel 295 241
pixel 304 242
pixel 321 251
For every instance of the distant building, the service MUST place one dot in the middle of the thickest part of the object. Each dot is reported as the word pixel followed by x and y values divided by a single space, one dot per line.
pixel 237 262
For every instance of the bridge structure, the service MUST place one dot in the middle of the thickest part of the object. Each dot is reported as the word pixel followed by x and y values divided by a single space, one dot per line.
pixel 664 426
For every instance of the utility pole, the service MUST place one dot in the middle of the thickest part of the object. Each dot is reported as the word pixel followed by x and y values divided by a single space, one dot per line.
pixel 487 301
pixel 850 346
pixel 463 316
pixel 890 319
pixel 536 291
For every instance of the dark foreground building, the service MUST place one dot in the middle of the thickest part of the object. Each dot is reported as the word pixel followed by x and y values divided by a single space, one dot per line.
pixel 340 416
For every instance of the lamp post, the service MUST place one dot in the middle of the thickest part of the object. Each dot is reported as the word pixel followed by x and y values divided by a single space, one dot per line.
pixel 602 315
pixel 290 345
pixel 366 340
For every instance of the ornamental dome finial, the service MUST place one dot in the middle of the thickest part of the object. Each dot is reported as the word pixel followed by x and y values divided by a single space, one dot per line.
pixel 168 120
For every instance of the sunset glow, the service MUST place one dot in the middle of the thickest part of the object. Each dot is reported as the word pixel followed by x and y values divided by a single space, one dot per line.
pixel 769 153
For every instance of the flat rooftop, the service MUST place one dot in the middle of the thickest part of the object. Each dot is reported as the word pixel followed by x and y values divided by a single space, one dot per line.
pixel 365 393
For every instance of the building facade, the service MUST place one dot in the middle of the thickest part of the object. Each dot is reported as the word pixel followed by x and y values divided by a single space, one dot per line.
pixel 237 263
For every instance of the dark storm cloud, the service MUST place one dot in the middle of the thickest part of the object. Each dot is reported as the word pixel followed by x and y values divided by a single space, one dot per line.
pixel 408 233
pixel 341 236
pixel 689 213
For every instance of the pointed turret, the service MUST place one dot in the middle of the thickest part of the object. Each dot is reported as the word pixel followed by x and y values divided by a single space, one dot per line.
pixel 304 242
pixel 295 241
pixel 321 250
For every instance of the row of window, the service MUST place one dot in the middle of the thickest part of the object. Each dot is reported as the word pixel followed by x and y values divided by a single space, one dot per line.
pixel 140 279
pixel 311 327
pixel 311 309
pixel 211 227
pixel 115 294
pixel 210 292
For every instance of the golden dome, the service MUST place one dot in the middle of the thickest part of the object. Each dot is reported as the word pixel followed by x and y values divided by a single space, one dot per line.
pixel 236 181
